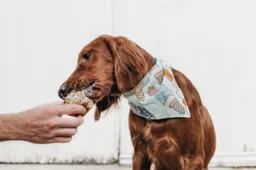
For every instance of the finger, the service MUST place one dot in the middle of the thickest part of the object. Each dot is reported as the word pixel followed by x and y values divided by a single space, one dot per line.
pixel 77 115
pixel 71 109
pixel 65 132
pixel 74 115
pixel 55 103
pixel 69 122
pixel 60 140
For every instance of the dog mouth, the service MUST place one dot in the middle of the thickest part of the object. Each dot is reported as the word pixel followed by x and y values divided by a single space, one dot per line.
pixel 93 90
pixel 87 90
pixel 81 96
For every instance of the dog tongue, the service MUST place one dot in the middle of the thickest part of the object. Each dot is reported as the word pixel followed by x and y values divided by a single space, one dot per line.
pixel 88 91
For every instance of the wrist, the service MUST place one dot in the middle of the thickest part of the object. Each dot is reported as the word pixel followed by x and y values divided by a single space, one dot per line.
pixel 11 126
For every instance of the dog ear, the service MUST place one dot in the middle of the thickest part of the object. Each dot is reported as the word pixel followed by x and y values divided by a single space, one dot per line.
pixel 104 104
pixel 129 62
pixel 129 67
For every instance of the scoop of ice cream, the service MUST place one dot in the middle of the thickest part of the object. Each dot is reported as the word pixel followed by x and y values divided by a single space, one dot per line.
pixel 79 97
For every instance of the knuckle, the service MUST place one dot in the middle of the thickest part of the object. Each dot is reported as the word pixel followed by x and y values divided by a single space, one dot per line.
pixel 79 109
pixel 49 110
pixel 51 124
pixel 51 135
pixel 76 108
pixel 70 108
pixel 73 108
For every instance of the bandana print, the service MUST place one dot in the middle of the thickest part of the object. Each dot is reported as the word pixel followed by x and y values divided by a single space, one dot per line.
pixel 158 96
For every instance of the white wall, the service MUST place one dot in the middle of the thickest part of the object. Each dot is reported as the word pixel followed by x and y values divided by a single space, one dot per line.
pixel 212 42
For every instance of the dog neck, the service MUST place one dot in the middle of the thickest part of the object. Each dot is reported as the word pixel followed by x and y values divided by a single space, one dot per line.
pixel 157 95
pixel 150 62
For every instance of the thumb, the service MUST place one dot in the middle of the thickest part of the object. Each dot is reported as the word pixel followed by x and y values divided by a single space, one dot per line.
pixel 71 109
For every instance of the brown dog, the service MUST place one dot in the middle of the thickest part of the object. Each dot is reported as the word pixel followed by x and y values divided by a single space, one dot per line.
pixel 110 66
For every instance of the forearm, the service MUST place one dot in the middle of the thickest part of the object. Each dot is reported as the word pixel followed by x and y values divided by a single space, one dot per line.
pixel 11 126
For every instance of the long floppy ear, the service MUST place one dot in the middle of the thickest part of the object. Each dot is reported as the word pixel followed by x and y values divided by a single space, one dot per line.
pixel 113 98
pixel 129 62
pixel 130 65
pixel 105 104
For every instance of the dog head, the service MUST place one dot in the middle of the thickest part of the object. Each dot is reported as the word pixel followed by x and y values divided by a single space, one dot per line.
pixel 107 67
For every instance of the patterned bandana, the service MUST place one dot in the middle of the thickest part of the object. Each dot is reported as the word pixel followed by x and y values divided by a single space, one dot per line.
pixel 158 96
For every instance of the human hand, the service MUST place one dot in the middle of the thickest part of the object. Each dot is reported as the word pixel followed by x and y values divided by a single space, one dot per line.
pixel 45 124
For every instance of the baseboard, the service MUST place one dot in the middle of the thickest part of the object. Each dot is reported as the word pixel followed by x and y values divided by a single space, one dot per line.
pixel 241 159
pixel 125 159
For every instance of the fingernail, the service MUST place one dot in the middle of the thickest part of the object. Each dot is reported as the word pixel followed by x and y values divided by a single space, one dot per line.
pixel 84 110
pixel 82 120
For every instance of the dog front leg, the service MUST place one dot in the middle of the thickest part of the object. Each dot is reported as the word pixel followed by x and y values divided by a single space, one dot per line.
pixel 141 161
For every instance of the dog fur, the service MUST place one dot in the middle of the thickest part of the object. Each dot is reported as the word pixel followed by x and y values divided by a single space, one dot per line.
pixel 116 65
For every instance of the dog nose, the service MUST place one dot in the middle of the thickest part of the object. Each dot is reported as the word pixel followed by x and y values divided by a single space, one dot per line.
pixel 63 91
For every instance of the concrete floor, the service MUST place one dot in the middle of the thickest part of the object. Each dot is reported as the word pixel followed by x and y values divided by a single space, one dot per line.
pixel 81 167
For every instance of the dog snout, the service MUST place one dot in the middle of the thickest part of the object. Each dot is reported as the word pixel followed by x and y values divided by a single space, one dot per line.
pixel 64 91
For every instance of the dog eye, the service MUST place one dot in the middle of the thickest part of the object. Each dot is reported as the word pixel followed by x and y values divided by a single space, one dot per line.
pixel 86 55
